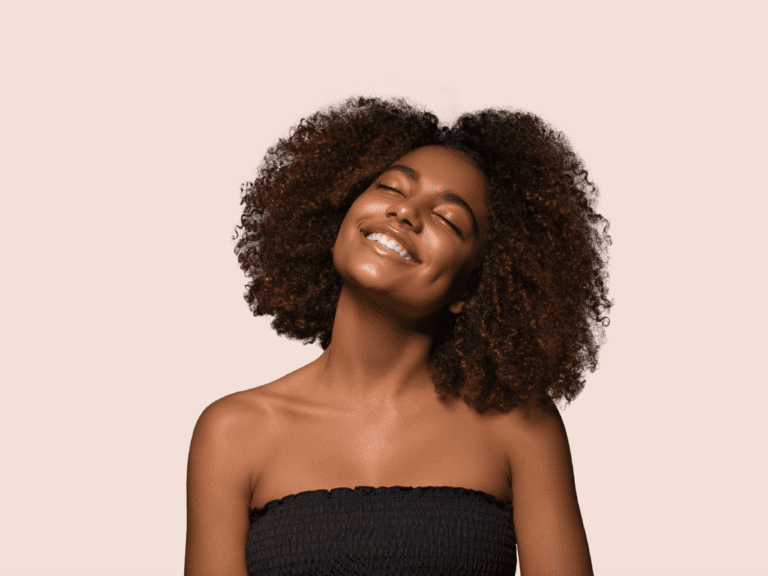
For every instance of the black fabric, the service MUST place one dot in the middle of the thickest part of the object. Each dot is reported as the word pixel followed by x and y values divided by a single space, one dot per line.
pixel 395 530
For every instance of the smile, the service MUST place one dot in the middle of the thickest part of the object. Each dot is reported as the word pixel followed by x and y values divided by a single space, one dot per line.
pixel 388 242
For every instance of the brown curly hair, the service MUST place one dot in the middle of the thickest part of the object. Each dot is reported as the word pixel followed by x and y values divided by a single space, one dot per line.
pixel 535 320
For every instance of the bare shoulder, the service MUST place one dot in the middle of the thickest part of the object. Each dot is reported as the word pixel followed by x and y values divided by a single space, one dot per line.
pixel 220 479
pixel 235 414
pixel 547 517
pixel 534 420
pixel 236 425
pixel 534 434
pixel 250 414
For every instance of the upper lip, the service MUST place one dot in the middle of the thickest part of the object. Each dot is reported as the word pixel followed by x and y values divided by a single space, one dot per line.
pixel 397 236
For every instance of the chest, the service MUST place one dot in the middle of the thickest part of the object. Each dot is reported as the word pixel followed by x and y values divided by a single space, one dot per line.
pixel 307 450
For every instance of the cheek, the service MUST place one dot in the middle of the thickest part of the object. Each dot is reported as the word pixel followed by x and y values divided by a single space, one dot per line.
pixel 370 207
pixel 450 248
pixel 362 208
pixel 462 251
pixel 350 221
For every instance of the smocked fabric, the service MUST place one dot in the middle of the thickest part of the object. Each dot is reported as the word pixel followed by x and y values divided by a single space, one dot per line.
pixel 395 530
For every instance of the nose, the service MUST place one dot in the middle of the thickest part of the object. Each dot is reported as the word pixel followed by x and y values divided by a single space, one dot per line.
pixel 406 212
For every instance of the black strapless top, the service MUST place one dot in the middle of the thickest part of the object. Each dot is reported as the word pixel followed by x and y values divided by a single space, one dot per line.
pixel 395 530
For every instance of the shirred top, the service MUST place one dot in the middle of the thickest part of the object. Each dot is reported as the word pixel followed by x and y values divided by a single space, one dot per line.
pixel 395 530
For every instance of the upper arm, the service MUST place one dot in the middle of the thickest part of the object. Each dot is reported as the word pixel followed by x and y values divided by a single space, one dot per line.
pixel 548 525
pixel 219 490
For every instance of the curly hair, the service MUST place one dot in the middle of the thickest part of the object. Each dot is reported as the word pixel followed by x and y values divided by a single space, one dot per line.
pixel 538 302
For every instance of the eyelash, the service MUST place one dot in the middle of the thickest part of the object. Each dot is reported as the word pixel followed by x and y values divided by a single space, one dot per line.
pixel 451 224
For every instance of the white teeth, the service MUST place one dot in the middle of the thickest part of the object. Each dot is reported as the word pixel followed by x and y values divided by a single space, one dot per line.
pixel 389 243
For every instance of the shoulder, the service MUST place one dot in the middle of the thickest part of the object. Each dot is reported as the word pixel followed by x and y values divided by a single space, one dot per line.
pixel 220 479
pixel 232 415
pixel 539 455
pixel 547 516
pixel 230 431
pixel 532 426
pixel 537 446
pixel 253 412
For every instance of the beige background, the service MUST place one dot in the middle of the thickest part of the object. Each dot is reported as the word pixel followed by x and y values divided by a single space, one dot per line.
pixel 126 131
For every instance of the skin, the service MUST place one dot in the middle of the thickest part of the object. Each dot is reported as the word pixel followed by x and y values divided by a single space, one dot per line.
pixel 374 375
pixel 389 307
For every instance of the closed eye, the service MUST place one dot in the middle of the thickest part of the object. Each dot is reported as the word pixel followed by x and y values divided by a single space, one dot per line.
pixel 390 188
pixel 451 224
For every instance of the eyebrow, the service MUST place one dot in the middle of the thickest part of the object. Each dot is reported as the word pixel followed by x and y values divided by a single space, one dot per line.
pixel 445 195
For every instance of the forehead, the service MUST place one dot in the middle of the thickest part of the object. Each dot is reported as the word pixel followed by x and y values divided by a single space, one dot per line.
pixel 441 169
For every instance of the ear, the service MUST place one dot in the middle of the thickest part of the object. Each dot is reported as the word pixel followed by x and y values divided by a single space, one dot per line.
pixel 457 307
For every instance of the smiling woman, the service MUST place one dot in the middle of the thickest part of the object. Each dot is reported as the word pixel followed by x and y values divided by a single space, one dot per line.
pixel 411 206
pixel 455 279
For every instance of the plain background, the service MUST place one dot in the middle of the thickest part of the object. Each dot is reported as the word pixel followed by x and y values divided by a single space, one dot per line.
pixel 127 129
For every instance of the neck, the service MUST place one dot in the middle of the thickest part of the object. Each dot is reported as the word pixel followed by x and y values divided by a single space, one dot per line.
pixel 376 357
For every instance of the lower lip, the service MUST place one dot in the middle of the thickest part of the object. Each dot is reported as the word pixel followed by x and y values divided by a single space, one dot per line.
pixel 383 250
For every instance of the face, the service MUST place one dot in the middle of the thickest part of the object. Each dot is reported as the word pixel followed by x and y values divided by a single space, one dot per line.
pixel 431 207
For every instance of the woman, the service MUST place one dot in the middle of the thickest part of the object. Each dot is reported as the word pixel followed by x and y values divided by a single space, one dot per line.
pixel 455 279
